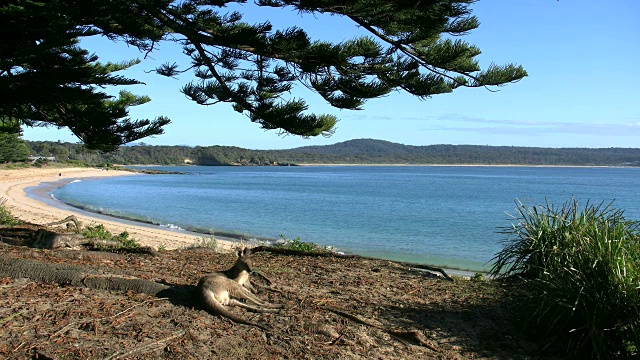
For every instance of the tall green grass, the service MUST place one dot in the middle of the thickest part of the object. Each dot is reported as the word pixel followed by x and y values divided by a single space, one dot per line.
pixel 6 218
pixel 582 265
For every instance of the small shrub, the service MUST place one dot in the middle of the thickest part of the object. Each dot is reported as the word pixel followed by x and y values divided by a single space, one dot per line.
pixel 41 162
pixel 125 241
pixel 100 232
pixel 297 244
pixel 18 165
pixel 209 242
pixel 97 232
pixel 583 266
pixel 6 218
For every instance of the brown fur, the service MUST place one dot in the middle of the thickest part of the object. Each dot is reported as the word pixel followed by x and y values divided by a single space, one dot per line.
pixel 225 288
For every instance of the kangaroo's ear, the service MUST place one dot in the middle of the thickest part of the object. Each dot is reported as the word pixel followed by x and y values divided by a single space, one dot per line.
pixel 247 251
pixel 239 253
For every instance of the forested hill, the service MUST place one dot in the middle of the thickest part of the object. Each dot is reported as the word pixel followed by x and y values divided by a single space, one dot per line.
pixel 362 151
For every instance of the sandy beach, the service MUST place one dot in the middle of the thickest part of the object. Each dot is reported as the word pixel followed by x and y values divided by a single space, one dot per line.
pixel 14 182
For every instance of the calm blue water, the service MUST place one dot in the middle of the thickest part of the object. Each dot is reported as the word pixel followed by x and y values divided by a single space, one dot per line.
pixel 445 216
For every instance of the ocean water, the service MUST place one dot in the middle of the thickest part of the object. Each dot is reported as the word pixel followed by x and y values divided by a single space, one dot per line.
pixel 441 215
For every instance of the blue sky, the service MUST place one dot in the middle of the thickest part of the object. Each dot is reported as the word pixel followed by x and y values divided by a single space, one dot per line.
pixel 582 89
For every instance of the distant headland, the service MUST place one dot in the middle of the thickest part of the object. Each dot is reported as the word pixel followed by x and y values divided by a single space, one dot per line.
pixel 352 152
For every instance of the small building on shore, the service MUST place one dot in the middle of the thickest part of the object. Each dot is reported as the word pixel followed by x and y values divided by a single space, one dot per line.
pixel 45 158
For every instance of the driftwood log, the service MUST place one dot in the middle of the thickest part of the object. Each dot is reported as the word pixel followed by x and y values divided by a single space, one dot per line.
pixel 68 219
pixel 89 277
pixel 411 335
pixel 286 251
pixel 47 239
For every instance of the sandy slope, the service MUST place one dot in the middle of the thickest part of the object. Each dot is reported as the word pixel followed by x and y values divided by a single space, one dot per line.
pixel 13 183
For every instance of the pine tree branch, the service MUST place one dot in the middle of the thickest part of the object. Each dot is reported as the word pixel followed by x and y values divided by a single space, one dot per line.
pixel 221 81
pixel 410 52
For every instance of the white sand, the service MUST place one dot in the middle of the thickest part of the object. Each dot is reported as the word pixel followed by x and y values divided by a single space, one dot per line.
pixel 13 183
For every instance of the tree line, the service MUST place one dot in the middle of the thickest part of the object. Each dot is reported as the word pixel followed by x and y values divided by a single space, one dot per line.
pixel 361 151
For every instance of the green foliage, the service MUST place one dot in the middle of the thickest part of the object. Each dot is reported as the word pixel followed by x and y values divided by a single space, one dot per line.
pixel 253 66
pixel 46 78
pixel 583 266
pixel 97 232
pixel 6 218
pixel 61 153
pixel 297 244
pixel 125 241
pixel 101 233
pixel 40 162
pixel 21 165
pixel 209 242
pixel 13 148
pixel 9 125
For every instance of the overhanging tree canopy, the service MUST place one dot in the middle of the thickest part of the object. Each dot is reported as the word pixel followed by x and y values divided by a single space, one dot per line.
pixel 413 46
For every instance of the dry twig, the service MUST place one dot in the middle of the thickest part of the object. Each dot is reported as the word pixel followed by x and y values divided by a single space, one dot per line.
pixel 146 348
pixel 412 335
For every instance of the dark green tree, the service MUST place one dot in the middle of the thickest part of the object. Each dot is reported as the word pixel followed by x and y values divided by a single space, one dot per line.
pixel 46 79
pixel 412 46
pixel 61 153
pixel 12 148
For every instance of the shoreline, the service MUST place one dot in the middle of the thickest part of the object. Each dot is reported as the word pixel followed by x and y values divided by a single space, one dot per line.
pixel 401 165
pixel 14 185
pixel 30 201
pixel 459 165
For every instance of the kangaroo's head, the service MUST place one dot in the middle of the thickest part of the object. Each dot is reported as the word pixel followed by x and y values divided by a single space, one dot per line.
pixel 244 260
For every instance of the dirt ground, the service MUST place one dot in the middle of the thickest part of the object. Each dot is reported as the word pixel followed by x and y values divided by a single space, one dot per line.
pixel 335 309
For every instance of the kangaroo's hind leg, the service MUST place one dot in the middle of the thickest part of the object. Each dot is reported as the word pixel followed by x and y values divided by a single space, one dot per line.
pixel 253 299
pixel 234 302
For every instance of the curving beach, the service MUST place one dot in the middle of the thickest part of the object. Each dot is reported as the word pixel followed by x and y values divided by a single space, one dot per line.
pixel 14 182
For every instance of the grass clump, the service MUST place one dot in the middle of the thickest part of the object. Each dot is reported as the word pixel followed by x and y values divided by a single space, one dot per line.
pixel 299 245
pixel 6 218
pixel 582 268
pixel 17 165
pixel 99 232
pixel 209 242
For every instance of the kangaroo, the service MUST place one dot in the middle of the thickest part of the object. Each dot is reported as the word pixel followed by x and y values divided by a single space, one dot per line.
pixel 241 270
pixel 222 289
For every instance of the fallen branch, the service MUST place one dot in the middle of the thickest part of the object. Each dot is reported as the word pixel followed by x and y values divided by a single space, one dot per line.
pixel 47 239
pixel 68 219
pixel 293 252
pixel 4 320
pixel 136 305
pixel 264 277
pixel 430 268
pixel 146 348
pixel 412 335
pixel 79 276
pixel 287 251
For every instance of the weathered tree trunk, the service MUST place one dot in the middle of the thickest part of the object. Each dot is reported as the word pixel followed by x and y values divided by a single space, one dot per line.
pixel 79 276
pixel 285 251
pixel 71 218
pixel 47 239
